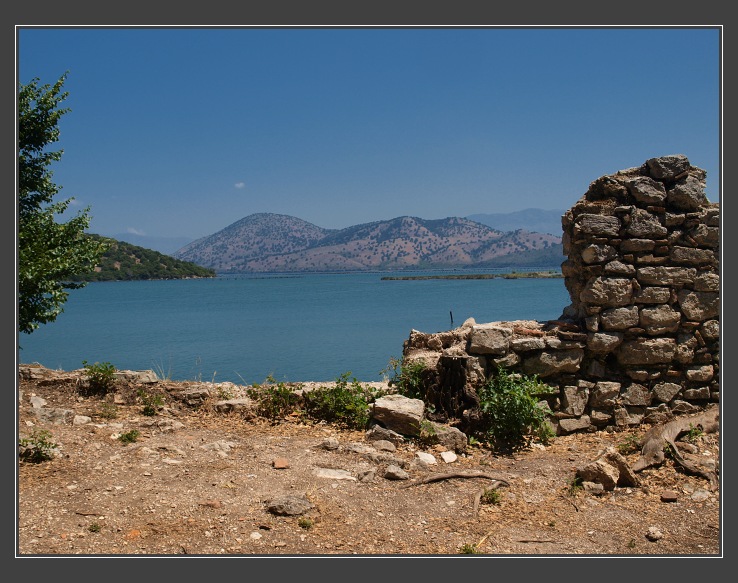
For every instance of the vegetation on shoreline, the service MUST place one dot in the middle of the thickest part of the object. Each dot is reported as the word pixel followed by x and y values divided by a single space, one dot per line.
pixel 125 262
pixel 510 275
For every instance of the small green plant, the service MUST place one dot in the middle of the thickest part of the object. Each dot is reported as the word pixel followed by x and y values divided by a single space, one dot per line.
pixel 224 393
pixel 694 433
pixel 668 451
pixel 94 527
pixel 151 402
pixel 630 444
pixel 108 410
pixel 575 485
pixel 491 496
pixel 631 543
pixel 129 436
pixel 512 413
pixel 469 549
pixel 273 400
pixel 37 448
pixel 407 376
pixel 305 522
pixel 100 376
pixel 347 403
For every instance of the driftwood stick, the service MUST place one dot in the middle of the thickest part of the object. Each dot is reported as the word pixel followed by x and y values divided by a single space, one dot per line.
pixel 451 475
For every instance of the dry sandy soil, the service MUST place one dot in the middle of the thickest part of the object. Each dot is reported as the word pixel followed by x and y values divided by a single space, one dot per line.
pixel 198 482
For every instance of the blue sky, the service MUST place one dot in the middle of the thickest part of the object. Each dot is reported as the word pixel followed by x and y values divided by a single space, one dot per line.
pixel 179 132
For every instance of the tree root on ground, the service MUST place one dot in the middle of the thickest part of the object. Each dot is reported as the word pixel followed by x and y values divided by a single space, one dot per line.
pixel 656 439
pixel 450 475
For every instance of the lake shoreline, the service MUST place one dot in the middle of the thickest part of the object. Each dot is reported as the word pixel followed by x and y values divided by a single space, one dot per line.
pixel 511 275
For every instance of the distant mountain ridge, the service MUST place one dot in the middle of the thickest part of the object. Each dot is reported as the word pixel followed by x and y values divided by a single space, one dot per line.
pixel 268 242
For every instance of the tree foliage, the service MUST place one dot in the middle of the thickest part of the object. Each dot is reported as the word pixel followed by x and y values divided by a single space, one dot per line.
pixel 50 253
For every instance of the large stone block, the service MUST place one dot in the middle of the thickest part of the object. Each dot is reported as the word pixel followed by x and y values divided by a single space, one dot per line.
pixel 666 275
pixel 607 291
pixel 619 318
pixel 646 351
pixel 660 320
pixel 399 413
pixel 647 190
pixel 699 306
pixel 687 194
pixel 552 362
pixel 590 224
pixel 667 167
pixel 489 340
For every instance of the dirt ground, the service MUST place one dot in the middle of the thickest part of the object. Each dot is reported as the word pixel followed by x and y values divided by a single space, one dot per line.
pixel 200 482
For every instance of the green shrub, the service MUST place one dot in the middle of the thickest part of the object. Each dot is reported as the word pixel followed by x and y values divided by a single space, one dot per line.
pixel 490 496
pixel 36 448
pixel 151 402
pixel 100 376
pixel 129 436
pixel 273 400
pixel 346 403
pixel 305 522
pixel 469 549
pixel 511 411
pixel 407 376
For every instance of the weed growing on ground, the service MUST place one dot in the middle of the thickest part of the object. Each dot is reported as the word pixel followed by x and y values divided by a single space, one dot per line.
pixel 36 448
pixel 469 549
pixel 630 444
pixel 100 376
pixel 511 411
pixel 575 486
pixel 347 403
pixel 94 527
pixel 407 376
pixel 108 410
pixel 129 436
pixel 490 497
pixel 151 402
pixel 305 522
pixel 273 400
pixel 694 433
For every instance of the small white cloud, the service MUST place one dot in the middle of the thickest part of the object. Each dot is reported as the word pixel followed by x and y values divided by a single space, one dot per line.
pixel 240 185
pixel 133 231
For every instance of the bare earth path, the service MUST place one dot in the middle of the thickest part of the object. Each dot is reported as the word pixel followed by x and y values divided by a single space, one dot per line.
pixel 197 482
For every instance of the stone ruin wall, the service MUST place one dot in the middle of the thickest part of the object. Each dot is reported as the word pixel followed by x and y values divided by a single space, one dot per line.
pixel 640 341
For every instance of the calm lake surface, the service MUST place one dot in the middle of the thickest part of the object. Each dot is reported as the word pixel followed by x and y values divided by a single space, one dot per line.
pixel 243 328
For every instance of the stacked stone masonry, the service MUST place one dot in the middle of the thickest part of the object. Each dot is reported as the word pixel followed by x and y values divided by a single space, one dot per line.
pixel 640 341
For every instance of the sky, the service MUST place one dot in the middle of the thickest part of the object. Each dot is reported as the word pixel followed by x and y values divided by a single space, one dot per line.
pixel 180 132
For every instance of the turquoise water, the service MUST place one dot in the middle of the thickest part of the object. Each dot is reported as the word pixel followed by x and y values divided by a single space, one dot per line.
pixel 242 329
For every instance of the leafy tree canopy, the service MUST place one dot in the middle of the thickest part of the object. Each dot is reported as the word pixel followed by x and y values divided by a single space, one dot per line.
pixel 50 253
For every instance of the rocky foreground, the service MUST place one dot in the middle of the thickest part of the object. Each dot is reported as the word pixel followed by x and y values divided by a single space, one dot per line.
pixel 204 478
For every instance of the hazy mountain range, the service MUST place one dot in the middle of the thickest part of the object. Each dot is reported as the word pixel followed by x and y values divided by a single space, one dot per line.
pixel 268 242
pixel 532 219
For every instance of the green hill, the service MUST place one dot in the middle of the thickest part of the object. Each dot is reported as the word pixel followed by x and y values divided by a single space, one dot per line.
pixel 125 262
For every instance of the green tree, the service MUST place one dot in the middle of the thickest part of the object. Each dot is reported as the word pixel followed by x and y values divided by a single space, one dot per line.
pixel 49 252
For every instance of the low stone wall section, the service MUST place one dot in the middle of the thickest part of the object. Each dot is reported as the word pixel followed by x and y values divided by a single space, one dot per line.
pixel 640 341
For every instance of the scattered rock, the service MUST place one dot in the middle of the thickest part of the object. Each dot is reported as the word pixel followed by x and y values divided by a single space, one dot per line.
pixel 280 463
pixel 333 474
pixel 394 472
pixel 654 534
pixel 669 496
pixel 289 505
pixel 448 456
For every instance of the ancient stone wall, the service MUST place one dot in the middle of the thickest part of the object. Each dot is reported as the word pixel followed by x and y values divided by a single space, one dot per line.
pixel 640 341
